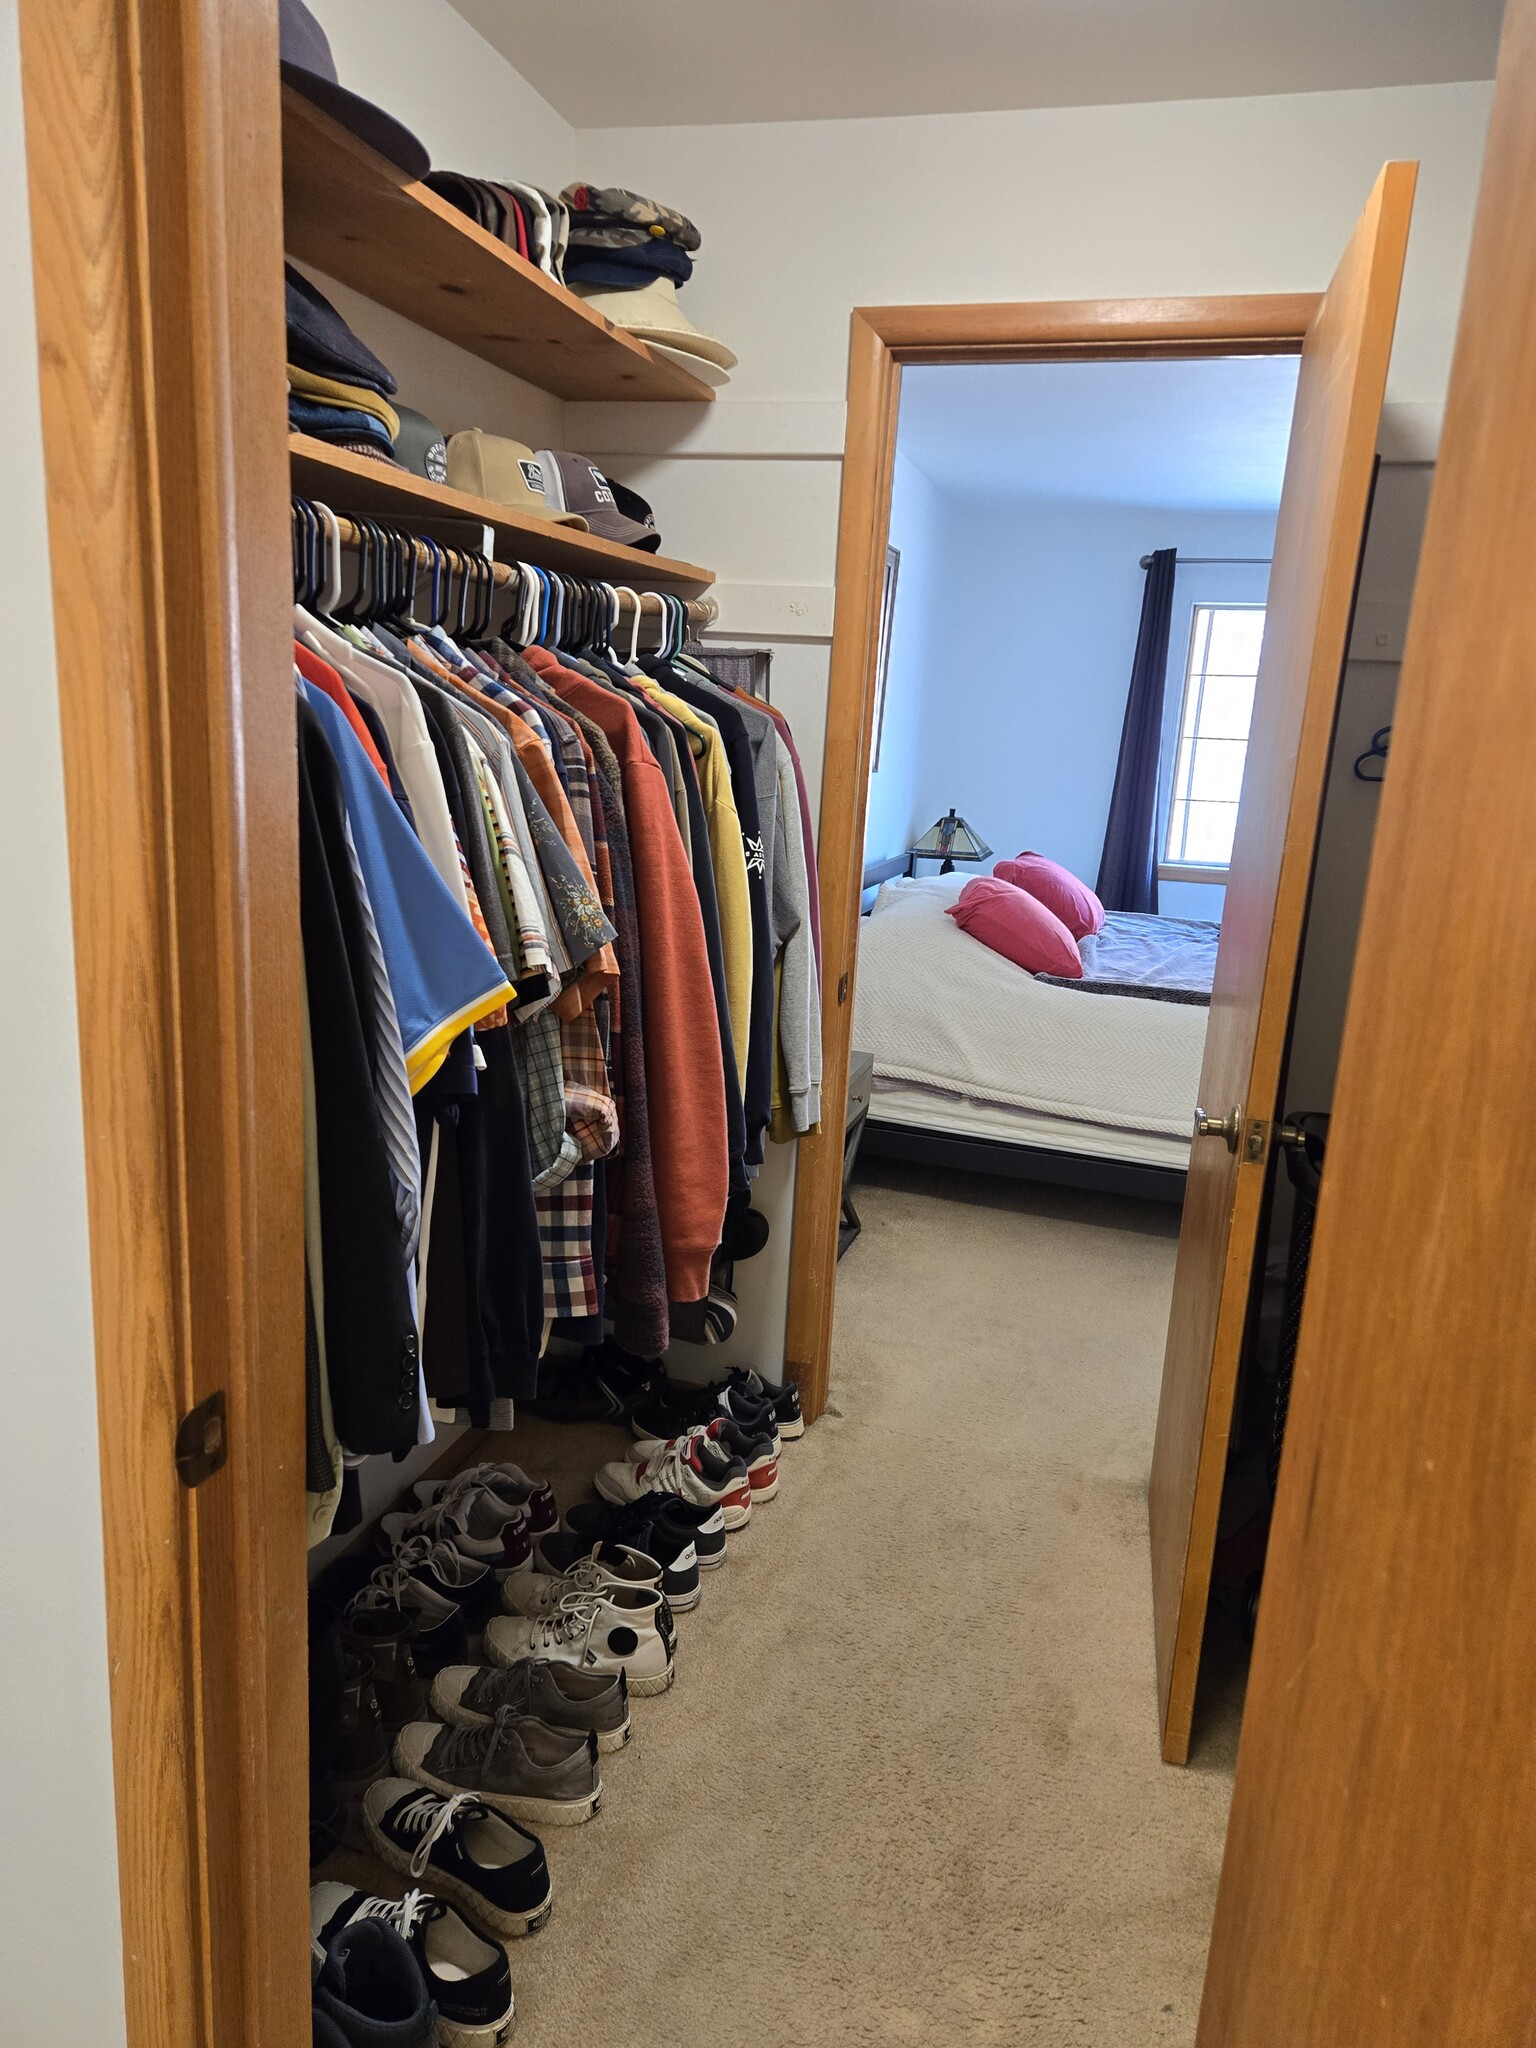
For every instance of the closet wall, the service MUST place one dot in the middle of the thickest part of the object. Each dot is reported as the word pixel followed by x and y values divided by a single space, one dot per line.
pixel 55 1728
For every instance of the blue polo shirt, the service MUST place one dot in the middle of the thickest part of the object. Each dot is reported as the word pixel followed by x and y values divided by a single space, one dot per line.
pixel 442 974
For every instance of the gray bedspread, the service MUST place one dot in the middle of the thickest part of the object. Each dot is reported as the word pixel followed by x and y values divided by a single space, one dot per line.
pixel 1161 959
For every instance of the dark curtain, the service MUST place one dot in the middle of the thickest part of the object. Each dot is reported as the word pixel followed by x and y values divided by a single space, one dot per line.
pixel 1128 869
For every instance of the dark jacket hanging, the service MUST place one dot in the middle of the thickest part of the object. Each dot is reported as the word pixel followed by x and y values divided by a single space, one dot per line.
pixel 1128 868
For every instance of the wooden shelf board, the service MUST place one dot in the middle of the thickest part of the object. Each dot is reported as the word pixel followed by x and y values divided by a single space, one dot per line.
pixel 355 483
pixel 359 219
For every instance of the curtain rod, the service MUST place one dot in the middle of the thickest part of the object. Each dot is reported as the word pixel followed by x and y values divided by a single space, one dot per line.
pixel 1255 561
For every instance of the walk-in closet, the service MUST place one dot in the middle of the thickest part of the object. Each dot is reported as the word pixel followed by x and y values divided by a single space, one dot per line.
pixel 533 1519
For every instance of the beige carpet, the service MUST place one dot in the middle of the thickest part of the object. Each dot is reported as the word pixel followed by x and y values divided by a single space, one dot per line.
pixel 907 1788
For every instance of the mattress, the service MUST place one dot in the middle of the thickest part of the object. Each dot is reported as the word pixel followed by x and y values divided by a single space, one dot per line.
pixel 951 1023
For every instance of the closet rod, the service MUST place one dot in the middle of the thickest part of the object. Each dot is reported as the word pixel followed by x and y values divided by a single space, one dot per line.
pixel 702 611
pixel 1185 560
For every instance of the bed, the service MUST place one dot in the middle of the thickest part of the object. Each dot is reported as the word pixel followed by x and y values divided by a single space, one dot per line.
pixel 982 1066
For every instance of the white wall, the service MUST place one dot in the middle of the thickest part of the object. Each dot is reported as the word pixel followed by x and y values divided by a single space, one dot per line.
pixel 918 513
pixel 60 1932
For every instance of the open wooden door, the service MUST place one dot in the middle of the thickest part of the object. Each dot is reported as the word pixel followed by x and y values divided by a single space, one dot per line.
pixel 1317 551
pixel 1377 1883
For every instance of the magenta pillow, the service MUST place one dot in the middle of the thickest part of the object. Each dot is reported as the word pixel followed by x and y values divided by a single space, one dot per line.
pixel 1058 889
pixel 1017 925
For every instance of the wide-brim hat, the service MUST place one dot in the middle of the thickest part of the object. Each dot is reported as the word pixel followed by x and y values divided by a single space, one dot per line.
pixel 703 367
pixel 653 314
pixel 309 68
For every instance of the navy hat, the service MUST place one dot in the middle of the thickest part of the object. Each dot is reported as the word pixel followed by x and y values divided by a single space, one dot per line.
pixel 627 269
pixel 309 68
pixel 320 340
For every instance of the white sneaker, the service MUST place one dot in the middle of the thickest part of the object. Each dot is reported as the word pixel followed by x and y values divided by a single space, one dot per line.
pixel 620 1629
pixel 477 1522
pixel 509 1483
pixel 617 1567
pixel 693 1469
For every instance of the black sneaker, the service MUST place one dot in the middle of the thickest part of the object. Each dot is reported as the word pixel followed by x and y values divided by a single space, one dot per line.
pixel 643 1526
pixel 371 1991
pixel 491 1868
pixel 782 1396
pixel 673 1407
pixel 600 1386
pixel 466 1975
pixel 665 1520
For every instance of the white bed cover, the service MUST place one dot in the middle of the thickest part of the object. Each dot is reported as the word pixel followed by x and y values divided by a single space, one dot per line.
pixel 940 1010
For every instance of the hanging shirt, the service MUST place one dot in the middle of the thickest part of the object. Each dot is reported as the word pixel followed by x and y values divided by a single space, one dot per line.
pixel 684 1073
pixel 440 971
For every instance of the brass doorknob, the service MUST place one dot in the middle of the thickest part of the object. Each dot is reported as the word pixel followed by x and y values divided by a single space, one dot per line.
pixel 1229 1126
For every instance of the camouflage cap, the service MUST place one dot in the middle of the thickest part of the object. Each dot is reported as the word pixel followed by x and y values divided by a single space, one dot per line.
pixel 608 217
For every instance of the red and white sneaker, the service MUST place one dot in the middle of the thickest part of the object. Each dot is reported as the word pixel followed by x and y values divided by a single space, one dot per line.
pixel 757 1450
pixel 694 1468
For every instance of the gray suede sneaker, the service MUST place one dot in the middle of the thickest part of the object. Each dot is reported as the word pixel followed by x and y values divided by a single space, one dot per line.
pixel 516 1765
pixel 559 1695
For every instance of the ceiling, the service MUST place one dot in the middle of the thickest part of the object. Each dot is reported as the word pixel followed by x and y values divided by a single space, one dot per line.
pixel 682 62
pixel 1200 436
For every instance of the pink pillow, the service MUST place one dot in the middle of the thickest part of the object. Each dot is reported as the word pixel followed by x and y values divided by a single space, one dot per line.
pixel 1017 925
pixel 1058 889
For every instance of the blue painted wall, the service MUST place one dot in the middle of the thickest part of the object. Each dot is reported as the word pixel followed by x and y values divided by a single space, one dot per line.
pixel 1015 628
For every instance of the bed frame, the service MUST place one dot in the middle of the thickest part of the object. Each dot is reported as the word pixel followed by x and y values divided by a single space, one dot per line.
pixel 995 1155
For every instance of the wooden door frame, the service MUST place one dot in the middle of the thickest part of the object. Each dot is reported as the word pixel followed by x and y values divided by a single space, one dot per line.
pixel 153 147
pixel 882 339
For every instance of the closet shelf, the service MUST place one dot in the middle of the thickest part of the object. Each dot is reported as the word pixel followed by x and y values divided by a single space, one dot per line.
pixel 359 219
pixel 356 483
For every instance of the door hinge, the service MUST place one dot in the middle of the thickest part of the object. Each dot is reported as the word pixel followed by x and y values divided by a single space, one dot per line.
pixel 202 1440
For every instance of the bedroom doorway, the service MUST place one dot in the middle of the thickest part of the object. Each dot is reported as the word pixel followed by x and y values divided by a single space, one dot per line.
pixel 1343 339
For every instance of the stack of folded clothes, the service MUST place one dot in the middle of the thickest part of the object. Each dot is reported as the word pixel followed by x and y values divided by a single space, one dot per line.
pixel 338 390
pixel 628 256
pixel 531 221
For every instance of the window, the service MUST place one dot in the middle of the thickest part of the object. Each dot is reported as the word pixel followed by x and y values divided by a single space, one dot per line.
pixel 1224 642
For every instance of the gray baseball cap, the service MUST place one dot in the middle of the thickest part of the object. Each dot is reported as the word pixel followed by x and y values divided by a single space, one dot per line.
pixel 309 68
pixel 577 485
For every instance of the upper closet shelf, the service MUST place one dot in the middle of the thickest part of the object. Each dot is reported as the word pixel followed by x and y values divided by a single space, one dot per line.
pixel 356 483
pixel 359 219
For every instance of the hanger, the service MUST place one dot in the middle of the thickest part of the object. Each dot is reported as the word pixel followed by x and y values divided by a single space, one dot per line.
pixel 1377 752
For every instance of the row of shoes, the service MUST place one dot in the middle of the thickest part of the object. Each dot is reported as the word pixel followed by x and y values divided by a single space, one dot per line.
pixel 570 1619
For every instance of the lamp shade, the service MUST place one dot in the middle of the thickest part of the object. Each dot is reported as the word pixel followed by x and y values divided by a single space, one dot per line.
pixel 951 839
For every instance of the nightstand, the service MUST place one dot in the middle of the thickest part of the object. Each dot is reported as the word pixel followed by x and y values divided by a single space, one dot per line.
pixel 861 1081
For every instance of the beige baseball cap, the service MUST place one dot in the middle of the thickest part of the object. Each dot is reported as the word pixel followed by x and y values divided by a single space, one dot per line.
pixel 503 472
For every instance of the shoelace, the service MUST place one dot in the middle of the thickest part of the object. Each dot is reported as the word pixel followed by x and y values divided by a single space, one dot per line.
pixel 402 1914
pixel 449 1513
pixel 432 1816
pixel 478 1746
pixel 586 1576
pixel 451 1566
